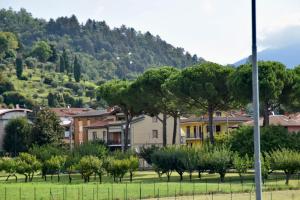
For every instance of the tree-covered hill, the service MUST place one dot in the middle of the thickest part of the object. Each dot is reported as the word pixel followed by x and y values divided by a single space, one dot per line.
pixel 105 53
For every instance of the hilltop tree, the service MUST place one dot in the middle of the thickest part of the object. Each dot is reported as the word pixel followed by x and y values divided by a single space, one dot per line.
pixel 205 86
pixel 121 94
pixel 61 64
pixel 67 65
pixel 8 44
pixel 19 67
pixel 272 80
pixel 54 56
pixel 41 50
pixel 77 69
pixel 156 99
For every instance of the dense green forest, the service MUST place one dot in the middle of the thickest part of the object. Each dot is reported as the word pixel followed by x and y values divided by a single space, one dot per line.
pixel 105 53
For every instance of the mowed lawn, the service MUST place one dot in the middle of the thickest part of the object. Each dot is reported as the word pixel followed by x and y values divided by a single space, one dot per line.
pixel 145 185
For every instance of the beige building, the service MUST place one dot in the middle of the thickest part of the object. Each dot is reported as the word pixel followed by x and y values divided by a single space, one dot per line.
pixel 144 131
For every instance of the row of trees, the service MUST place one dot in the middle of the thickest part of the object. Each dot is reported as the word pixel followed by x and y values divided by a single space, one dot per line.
pixel 88 159
pixel 209 87
pixel 219 159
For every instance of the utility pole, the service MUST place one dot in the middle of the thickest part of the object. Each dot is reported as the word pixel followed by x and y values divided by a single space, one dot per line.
pixel 255 93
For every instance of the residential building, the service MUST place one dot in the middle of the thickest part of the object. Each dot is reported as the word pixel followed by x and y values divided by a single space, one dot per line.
pixel 143 131
pixel 5 116
pixel 66 120
pixel 194 130
pixel 87 118
pixel 290 122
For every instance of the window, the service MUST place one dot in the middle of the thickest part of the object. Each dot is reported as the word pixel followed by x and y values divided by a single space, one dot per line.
pixel 154 119
pixel 104 135
pixel 195 131
pixel 94 135
pixel 188 131
pixel 154 134
pixel 218 114
pixel 218 128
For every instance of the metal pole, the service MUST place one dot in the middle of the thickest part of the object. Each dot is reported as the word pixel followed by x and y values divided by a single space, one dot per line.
pixel 255 91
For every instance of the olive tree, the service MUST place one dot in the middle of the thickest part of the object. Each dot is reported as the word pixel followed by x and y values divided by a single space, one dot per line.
pixel 87 166
pixel 27 165
pixel 133 165
pixel 55 165
pixel 241 164
pixel 285 160
pixel 8 165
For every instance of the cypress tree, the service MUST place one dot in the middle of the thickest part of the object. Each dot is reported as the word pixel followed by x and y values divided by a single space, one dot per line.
pixel 19 67
pixel 54 56
pixel 61 64
pixel 66 59
pixel 77 70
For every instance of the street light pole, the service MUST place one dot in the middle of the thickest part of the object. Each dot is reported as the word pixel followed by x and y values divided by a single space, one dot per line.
pixel 255 92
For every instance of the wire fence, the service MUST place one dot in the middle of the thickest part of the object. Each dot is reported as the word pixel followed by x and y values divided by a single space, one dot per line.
pixel 203 189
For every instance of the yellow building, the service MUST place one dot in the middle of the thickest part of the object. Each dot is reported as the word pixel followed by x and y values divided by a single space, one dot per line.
pixel 194 130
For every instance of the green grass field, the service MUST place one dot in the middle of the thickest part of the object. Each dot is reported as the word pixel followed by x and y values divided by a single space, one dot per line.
pixel 145 184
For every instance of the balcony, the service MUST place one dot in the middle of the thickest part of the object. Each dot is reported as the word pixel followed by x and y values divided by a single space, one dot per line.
pixel 197 136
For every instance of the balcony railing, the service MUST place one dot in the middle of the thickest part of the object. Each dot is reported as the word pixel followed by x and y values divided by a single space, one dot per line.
pixel 115 142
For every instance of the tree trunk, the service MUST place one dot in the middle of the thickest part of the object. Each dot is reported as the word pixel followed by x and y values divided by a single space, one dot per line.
pixel 191 173
pixel 7 177
pixel 210 125
pixel 100 178
pixel 266 115
pixel 199 174
pixel 181 177
pixel 126 133
pixel 222 177
pixel 174 129
pixel 164 123
pixel 131 174
pixel 287 178
pixel 70 178
pixel 26 178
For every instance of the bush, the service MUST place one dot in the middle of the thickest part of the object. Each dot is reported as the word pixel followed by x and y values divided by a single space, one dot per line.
pixel 27 165
pixel 5 85
pixel 8 165
pixel 242 164
pixel 272 138
pixel 17 136
pixel 55 165
pixel 16 98
pixel 48 80
pixel 220 160
pixel 117 168
pixel 74 86
pixel 88 165
pixel 30 62
pixel 286 160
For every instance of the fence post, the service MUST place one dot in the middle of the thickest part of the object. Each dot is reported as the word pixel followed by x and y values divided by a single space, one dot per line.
pixel 97 191
pixel 34 193
pixel 230 184
pixel 93 193
pixel 167 189
pixel 218 186
pixel 108 193
pixel 78 193
pixel 193 190
pixel 180 189
pixel 206 185
pixel 158 193
pixel 5 193
pixel 175 193
pixel 20 194
pixel 212 196
pixel 82 192
pixel 231 195
pixel 112 191
pixel 140 190
pixel 126 191
pixel 154 189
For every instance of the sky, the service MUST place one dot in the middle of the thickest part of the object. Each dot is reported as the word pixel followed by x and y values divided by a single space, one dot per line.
pixel 217 30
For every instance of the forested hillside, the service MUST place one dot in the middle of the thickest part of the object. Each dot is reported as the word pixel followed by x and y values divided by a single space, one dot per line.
pixel 104 53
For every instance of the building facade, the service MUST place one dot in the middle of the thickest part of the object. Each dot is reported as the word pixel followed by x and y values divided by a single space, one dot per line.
pixel 143 131
pixel 195 130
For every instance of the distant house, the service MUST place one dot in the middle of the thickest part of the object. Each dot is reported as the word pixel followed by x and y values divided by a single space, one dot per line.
pixel 109 126
pixel 86 119
pixel 290 122
pixel 66 120
pixel 144 131
pixel 194 130
pixel 5 116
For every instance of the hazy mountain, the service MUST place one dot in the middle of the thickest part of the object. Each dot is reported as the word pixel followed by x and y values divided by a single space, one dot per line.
pixel 289 55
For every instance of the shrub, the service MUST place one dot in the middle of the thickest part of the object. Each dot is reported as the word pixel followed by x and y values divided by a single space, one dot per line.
pixel 14 98
pixel 30 62
pixel 87 166
pixel 27 165
pixel 74 86
pixel 8 165
pixel 286 160
pixel 242 164
pixel 220 159
pixel 117 168
pixel 55 164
